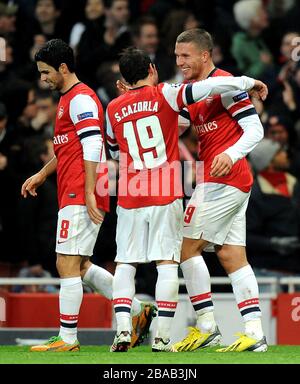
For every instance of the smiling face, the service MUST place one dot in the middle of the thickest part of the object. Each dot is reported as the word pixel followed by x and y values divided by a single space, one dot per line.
pixel 191 60
pixel 51 76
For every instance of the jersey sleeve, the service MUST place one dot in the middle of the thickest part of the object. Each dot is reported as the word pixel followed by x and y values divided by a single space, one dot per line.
pixel 184 120
pixel 180 95
pixel 111 139
pixel 238 104
pixel 85 116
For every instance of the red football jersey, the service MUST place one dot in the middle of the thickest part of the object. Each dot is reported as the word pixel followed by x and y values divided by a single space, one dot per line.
pixel 215 120
pixel 143 125
pixel 79 115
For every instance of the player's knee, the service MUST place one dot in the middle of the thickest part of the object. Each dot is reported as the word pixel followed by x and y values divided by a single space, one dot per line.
pixel 191 248
pixel 84 266
pixel 68 265
pixel 231 257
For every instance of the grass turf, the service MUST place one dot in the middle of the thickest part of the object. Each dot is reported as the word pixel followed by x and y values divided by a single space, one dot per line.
pixel 143 355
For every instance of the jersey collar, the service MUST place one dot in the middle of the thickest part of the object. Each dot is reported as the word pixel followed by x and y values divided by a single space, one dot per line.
pixel 212 72
pixel 64 93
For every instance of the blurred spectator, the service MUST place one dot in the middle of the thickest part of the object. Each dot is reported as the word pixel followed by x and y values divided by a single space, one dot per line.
pixel 37 234
pixel 46 103
pixel 47 14
pixel 273 222
pixel 223 60
pixel 94 10
pixel 176 22
pixel 7 19
pixel 34 271
pixel 107 74
pixel 280 129
pixel 103 40
pixel 146 37
pixel 248 48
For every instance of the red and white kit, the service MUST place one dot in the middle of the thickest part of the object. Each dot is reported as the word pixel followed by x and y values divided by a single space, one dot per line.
pixel 79 134
pixel 142 130
pixel 224 123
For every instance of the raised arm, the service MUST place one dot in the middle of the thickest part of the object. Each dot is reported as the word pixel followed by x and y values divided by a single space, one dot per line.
pixel 180 95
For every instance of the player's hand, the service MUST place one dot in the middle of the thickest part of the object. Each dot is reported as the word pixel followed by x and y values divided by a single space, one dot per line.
pixel 221 165
pixel 32 184
pixel 154 74
pixel 260 90
pixel 122 87
pixel 96 214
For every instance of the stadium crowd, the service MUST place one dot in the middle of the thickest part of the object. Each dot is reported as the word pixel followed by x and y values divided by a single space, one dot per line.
pixel 257 38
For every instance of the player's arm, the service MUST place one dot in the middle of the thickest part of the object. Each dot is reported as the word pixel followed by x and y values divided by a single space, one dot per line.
pixel 242 110
pixel 184 121
pixel 110 137
pixel 181 95
pixel 33 182
pixel 217 85
pixel 84 115
pixel 96 215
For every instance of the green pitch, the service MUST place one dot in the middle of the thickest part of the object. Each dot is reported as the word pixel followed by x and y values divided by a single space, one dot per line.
pixel 143 355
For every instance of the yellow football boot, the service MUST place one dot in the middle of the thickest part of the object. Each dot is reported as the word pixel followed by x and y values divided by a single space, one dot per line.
pixel 246 343
pixel 196 339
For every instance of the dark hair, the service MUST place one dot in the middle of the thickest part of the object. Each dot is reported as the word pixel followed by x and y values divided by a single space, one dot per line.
pixel 134 65
pixel 198 36
pixel 56 3
pixel 54 53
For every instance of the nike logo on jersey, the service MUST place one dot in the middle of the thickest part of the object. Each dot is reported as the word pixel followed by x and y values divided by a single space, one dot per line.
pixel 60 242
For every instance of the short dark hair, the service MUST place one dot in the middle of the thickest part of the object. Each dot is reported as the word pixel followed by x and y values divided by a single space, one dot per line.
pixel 200 37
pixel 134 65
pixel 54 53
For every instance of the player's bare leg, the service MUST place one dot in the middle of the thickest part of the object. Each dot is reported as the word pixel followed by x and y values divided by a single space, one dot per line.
pixel 198 285
pixel 70 298
pixel 166 296
pixel 100 280
pixel 245 288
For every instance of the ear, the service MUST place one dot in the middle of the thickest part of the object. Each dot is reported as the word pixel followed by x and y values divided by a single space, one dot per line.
pixel 206 56
pixel 63 69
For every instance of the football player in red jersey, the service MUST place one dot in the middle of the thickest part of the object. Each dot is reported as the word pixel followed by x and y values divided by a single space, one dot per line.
pixel 80 163
pixel 228 128
pixel 142 130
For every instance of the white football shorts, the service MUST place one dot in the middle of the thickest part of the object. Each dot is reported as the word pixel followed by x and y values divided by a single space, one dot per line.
pixel 216 213
pixel 150 233
pixel 76 233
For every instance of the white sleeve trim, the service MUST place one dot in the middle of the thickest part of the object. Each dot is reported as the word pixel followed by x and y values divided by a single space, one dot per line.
pixel 252 135
pixel 218 85
pixel 92 147
pixel 87 129
pixel 83 107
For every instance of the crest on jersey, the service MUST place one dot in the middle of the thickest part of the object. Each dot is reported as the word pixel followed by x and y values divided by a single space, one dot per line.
pixel 201 118
pixel 209 100
pixel 60 112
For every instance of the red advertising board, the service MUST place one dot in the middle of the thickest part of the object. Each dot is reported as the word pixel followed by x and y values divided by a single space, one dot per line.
pixel 288 318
